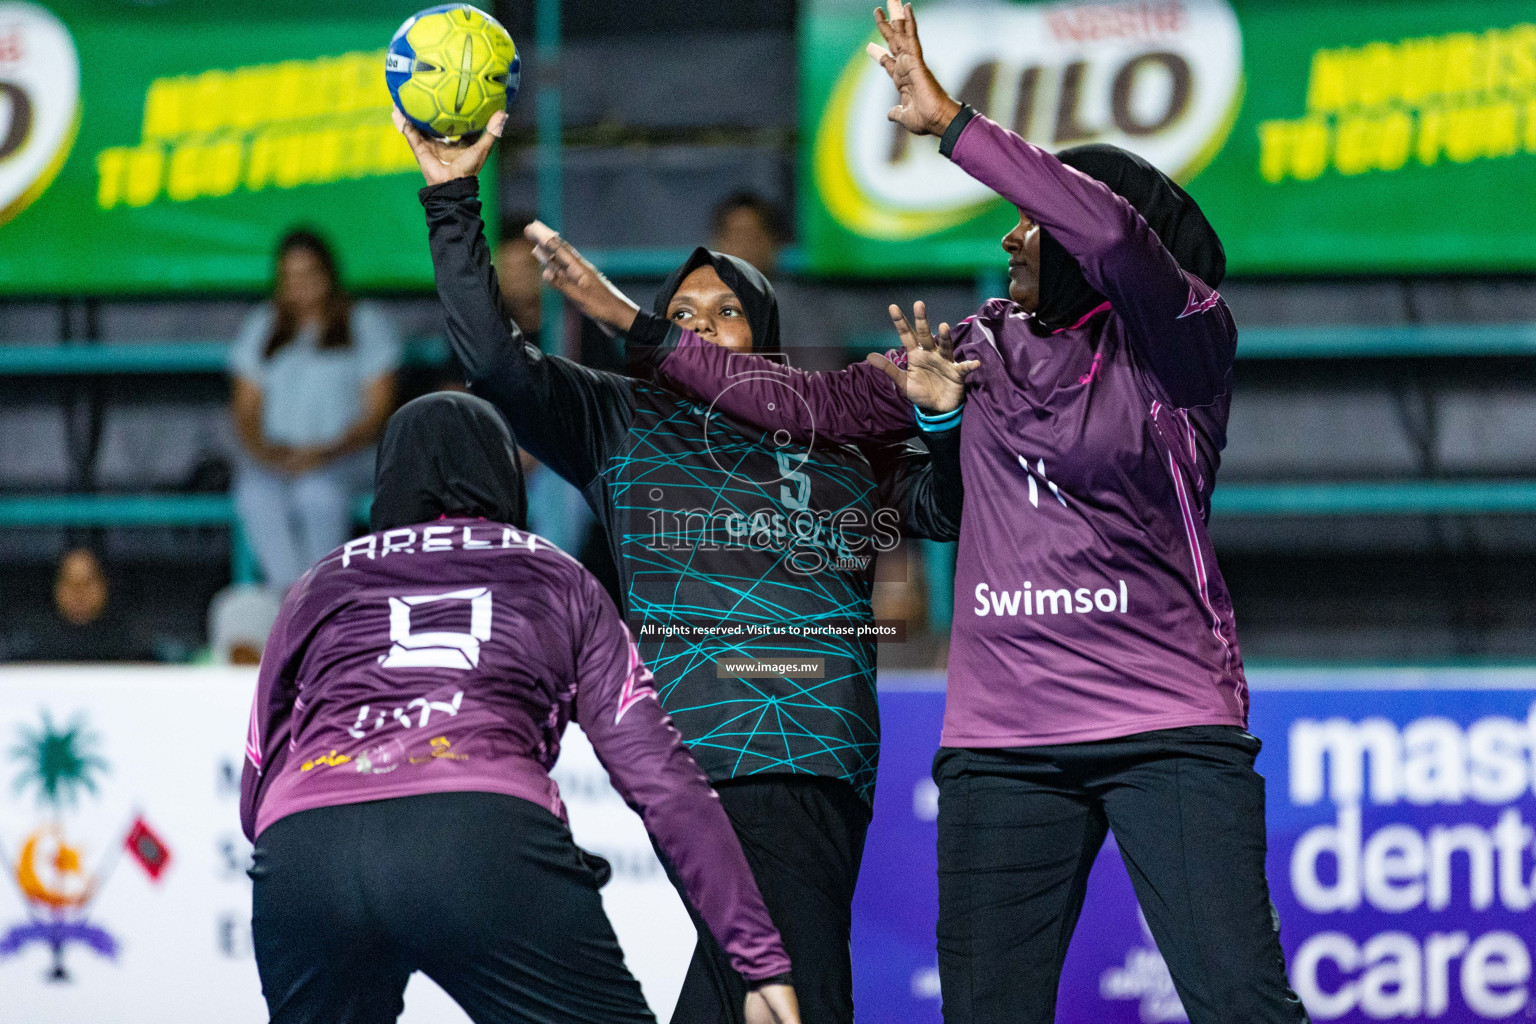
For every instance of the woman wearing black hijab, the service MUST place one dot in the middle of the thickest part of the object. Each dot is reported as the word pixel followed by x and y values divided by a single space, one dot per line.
pixel 1095 680
pixel 447 452
pixel 746 569
pixel 410 704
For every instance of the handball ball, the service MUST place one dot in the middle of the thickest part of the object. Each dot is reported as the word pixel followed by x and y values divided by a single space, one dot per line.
pixel 449 68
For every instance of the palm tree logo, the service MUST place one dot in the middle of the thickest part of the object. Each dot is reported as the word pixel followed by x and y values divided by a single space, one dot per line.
pixel 61 764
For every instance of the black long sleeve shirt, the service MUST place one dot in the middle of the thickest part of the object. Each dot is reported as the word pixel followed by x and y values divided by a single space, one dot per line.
pixel 730 545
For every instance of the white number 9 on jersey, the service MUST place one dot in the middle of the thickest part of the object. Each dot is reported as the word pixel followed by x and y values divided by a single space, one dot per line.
pixel 438 649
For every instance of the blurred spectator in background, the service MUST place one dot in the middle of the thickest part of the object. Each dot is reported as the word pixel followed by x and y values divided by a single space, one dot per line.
pixel 313 383
pixel 556 510
pixel 239 619
pixel 748 226
pixel 83 625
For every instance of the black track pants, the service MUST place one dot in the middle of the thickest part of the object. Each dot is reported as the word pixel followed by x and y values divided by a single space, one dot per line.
pixel 803 836
pixel 485 894
pixel 1019 830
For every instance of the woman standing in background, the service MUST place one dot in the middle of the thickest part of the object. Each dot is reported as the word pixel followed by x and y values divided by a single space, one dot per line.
pixel 312 384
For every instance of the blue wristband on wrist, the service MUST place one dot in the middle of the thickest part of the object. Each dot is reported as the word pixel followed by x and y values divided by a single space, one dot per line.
pixel 935 422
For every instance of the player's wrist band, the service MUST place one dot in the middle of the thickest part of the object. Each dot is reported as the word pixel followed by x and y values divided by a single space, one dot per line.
pixel 648 331
pixel 933 423
pixel 454 188
pixel 952 133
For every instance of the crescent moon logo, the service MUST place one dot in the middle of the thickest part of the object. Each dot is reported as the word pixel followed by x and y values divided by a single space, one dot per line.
pixel 50 871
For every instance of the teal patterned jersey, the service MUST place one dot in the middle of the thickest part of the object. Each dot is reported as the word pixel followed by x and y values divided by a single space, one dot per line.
pixel 705 524
pixel 746 562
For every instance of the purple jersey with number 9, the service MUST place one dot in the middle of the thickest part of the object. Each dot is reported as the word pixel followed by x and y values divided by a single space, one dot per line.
pixel 449 657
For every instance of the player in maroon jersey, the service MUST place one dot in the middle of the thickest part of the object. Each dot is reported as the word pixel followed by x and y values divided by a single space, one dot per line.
pixel 1095 680
pixel 410 704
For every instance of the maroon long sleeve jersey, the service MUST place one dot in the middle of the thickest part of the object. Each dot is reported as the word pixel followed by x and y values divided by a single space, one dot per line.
pixel 450 656
pixel 1088 602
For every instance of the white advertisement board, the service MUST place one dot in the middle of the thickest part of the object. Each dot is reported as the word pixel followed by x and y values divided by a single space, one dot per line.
pixel 125 898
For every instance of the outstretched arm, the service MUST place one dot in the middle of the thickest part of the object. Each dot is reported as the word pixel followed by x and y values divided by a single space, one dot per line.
pixel 617 707
pixel 869 403
pixel 849 406
pixel 1179 324
pixel 857 405
pixel 873 402
pixel 569 417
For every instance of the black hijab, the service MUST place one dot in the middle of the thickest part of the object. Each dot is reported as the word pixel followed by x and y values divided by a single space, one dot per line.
pixel 1065 295
pixel 742 278
pixel 447 453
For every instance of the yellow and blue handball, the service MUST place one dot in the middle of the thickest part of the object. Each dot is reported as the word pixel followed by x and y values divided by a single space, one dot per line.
pixel 449 68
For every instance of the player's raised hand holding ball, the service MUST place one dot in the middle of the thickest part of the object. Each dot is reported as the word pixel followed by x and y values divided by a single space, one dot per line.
pixel 450 69
pixel 443 161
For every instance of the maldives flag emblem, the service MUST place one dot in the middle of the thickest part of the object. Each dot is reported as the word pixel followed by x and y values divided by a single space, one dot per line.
pixel 147 848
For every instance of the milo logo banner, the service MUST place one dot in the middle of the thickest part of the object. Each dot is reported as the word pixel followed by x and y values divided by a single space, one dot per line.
pixel 1315 135
pixel 1402 857
pixel 152 147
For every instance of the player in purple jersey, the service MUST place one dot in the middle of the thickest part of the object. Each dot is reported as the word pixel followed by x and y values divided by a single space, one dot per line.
pixel 1095 680
pixel 410 704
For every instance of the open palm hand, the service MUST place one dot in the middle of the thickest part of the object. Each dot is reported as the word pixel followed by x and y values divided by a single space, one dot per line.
pixel 933 381
pixel 924 107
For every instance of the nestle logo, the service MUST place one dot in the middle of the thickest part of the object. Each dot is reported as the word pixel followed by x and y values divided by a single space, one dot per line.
pixel 1137 20
pixel 11 49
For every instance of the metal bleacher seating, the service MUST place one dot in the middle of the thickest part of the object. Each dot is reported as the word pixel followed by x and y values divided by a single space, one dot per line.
pixel 1398 498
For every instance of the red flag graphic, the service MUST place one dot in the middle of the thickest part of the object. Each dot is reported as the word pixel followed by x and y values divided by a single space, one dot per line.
pixel 147 848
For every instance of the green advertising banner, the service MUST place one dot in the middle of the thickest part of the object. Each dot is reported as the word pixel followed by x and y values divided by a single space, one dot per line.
pixel 1379 136
pixel 166 147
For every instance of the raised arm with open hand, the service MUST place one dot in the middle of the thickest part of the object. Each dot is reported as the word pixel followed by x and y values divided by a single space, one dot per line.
pixel 570 274
pixel 932 380
pixel 925 108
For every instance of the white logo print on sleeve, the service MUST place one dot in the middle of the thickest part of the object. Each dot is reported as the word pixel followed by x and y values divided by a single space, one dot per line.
pixel 637 684
pixel 439 648
pixel 1198 305
pixel 1034 489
